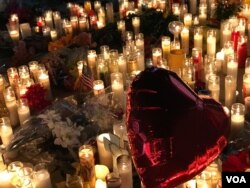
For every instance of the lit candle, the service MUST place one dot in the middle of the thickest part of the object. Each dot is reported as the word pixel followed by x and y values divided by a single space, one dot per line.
pixel 230 90
pixel 98 87
pixel 46 31
pixel 203 180
pixel 165 45
pixel 53 34
pixel 211 42
pixel 140 60
pixel 246 85
pixel 100 184
pixel 188 19
pixel 122 64
pixel 176 9
pixel 33 67
pixel 156 56
pixel 136 24
pixel 58 22
pixel 6 132
pixel 105 51
pixel 14 35
pixel 121 27
pixel 202 13
pixel 228 52
pixel 23 110
pixel 198 37
pixel 125 170
pixel 83 23
pixel 247 105
pixel 237 119
pixel 176 60
pixel 139 41
pixel 92 58
pixel 105 156
pixel 232 67
pixel 242 51
pixel 196 21
pixel 74 22
pixel 132 66
pixel 10 101
pixel 101 171
pixel 5 179
pixel 79 68
pixel 117 87
pixel 214 86
pixel 219 61
pixel 48 19
pixel 42 179
pixel 87 164
pixel 185 40
pixel 43 79
pixel 23 85
pixel 110 12
pixel 97 5
pixel 247 65
pixel 67 27
pixel 102 16
pixel 24 73
pixel 25 30
pixel 119 129
pixel 226 33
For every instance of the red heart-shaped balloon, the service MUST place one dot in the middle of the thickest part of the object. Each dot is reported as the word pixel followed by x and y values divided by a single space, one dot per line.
pixel 173 133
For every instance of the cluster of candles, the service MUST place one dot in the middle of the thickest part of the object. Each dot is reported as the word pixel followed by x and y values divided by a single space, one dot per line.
pixel 19 80
pixel 18 174
pixel 120 164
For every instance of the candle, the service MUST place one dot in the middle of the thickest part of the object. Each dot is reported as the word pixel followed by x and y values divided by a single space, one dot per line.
pixel 237 119
pixel 87 6
pixel 176 9
pixel 23 110
pixel 203 180
pixel 219 62
pixel 247 65
pixel 105 51
pixel 67 27
pixel 176 60
pixel 211 42
pixel 214 86
pixel 46 31
pixel 25 30
pixel 42 179
pixel 98 87
pixel 87 164
pixel 230 90
pixel 225 32
pixel 202 13
pixel 228 52
pixel 101 171
pixel 188 19
pixel 43 79
pixel 48 19
pixel 241 26
pixel 119 129
pixel 242 51
pixel 185 40
pixel 83 23
pixel 2 87
pixel 24 73
pixel 188 76
pixel 193 6
pixel 92 58
pixel 246 85
pixel 117 87
pixel 14 35
pixel 58 22
pixel 110 12
pixel 10 101
pixel 139 41
pixel 79 67
pixel 234 37
pixel 165 45
pixel 102 16
pixel 140 60
pixel 100 184
pixel 6 132
pixel 197 61
pixel 40 21
pixel 53 34
pixel 198 37
pixel 122 64
pixel 33 67
pixel 5 179
pixel 247 105
pixel 125 170
pixel 74 23
pixel 136 24
pixel 156 56
pixel 97 5
pixel 23 85
pixel 132 66
pixel 105 156
pixel 121 27
pixel 196 21
pixel 232 67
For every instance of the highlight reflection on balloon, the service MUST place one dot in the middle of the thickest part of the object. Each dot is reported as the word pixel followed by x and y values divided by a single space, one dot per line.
pixel 173 133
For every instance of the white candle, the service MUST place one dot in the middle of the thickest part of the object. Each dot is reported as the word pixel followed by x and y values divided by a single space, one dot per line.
pixel 58 22
pixel 14 34
pixel 48 19
pixel 247 65
pixel 228 51
pixel 139 41
pixel 122 64
pixel 232 67
pixel 176 9
pixel 198 37
pixel 247 105
pixel 100 184
pixel 46 31
pixel 211 42
pixel 185 40
pixel 98 87
pixel 140 60
pixel 121 27
pixel 230 90
pixel 136 24
pixel 74 22
pixel 246 85
pixel 156 56
pixel 165 45
pixel 214 86
pixel 219 61
pixel 92 58
pixel 10 101
pixel 53 35
pixel 237 119
pixel 42 179
pixel 33 67
pixel 226 33
pixel 23 111
pixel 125 171
pixel 105 156
pixel 5 179
pixel 117 87
pixel 6 132
pixel 25 30
pixel 83 23
pixel 43 79
pixel 188 20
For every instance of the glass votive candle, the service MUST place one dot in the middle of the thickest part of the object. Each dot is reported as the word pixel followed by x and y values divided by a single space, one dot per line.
pixel 87 6
pixel 156 56
pixel 246 85
pixel 97 5
pixel 23 72
pixel 53 34
pixel 68 29
pixel 185 40
pixel 33 67
pixel 176 9
pixel 214 86
pixel 104 49
pixel 136 24
pixel 230 90
pixel 13 169
pixel 124 167
pixel 6 131
pixel 237 119
pixel 41 176
pixel 46 31
pixel 10 102
pixel 122 28
pixel 12 76
pixel 247 105
pixel 87 165
pixel 14 34
pixel 247 65
pixel 129 35
pixel 91 58
pixel 117 86
pixel 198 37
pixel 165 45
pixel 98 87
pixel 211 42
pixel 23 110
pixel 83 23
pixel 139 41
pixel 79 65
pixel 232 66
pixel 188 19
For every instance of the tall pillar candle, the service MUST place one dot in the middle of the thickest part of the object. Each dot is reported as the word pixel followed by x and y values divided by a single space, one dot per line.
pixel 43 79
pixel 10 101
pixel 136 24
pixel 117 87
pixel 165 45
pixel 92 62
pixel 12 76
pixel 33 67
pixel 139 41
pixel 230 91
pixel 185 40
pixel 247 65
pixel 122 64
pixel 228 52
pixel 25 30
pixel 232 67
pixel 198 37
pixel 214 87
pixel 87 165
pixel 188 19
pixel 58 22
pixel 237 119
pixel 6 132
pixel 140 60
pixel 226 32
pixel 23 111
pixel 211 42
pixel 48 19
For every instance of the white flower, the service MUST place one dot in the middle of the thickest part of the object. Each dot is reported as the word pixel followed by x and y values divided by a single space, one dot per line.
pixel 50 115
